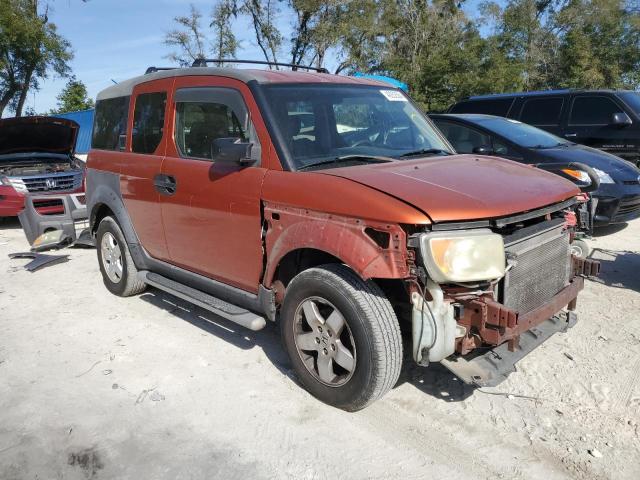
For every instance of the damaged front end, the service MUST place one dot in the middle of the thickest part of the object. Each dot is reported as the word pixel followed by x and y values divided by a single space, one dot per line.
pixel 486 297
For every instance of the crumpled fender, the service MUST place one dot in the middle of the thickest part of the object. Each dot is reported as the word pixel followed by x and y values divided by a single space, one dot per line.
pixel 291 228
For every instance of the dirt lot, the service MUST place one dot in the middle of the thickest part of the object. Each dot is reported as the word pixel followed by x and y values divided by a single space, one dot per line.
pixel 96 386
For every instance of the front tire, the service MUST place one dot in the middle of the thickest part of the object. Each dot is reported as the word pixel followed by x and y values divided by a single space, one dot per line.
pixel 342 336
pixel 119 273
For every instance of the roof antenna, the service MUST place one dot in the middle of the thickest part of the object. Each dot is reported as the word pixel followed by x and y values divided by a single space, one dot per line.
pixel 114 81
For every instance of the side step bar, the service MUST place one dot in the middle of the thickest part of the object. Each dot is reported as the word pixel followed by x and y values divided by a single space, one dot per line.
pixel 224 309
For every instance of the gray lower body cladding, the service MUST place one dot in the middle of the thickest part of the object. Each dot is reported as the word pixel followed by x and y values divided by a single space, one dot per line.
pixel 103 188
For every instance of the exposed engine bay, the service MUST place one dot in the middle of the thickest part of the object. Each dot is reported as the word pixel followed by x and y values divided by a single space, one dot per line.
pixel 479 328
pixel 25 168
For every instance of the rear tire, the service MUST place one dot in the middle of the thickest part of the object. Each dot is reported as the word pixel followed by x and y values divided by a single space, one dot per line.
pixel 119 273
pixel 342 336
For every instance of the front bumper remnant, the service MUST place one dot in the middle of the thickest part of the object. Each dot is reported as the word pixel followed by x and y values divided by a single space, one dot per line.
pixel 492 367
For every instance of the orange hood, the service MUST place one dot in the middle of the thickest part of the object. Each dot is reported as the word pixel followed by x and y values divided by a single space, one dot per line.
pixel 462 187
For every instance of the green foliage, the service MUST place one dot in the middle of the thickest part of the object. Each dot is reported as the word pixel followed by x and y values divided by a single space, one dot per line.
pixel 225 44
pixel 30 49
pixel 601 46
pixel 73 97
pixel 192 41
pixel 437 49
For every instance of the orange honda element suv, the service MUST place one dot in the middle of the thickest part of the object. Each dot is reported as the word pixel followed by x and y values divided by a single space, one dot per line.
pixel 331 205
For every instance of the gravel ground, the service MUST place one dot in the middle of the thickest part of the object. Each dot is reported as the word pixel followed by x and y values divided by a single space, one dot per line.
pixel 96 386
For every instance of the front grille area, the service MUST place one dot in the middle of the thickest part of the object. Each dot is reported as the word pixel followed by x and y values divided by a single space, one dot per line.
pixel 630 204
pixel 541 267
pixel 53 182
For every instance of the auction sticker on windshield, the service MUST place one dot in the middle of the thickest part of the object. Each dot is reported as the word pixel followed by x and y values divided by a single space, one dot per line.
pixel 393 95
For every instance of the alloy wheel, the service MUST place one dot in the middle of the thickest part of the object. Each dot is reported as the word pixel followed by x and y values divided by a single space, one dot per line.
pixel 111 257
pixel 324 341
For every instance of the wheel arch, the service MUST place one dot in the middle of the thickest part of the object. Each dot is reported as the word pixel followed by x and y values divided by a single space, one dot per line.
pixel 104 198
pixel 298 238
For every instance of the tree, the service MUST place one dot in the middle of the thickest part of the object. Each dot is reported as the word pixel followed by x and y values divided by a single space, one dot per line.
pixel 73 97
pixel 441 53
pixel 192 41
pixel 30 48
pixel 526 34
pixel 600 44
pixel 267 35
pixel 189 38
pixel 225 44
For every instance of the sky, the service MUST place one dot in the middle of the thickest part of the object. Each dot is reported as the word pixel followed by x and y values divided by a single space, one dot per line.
pixel 114 40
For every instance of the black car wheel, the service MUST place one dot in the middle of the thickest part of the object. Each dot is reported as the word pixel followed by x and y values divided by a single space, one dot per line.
pixel 116 265
pixel 342 336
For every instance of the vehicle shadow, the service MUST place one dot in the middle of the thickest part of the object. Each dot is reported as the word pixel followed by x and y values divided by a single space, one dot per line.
pixel 618 269
pixel 268 339
pixel 9 223
pixel 435 380
pixel 609 229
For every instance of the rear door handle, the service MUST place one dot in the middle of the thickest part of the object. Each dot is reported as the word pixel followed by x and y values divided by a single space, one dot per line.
pixel 570 135
pixel 165 184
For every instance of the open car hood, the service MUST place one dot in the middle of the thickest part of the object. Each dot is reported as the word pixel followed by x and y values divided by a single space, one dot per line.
pixel 23 135
pixel 462 187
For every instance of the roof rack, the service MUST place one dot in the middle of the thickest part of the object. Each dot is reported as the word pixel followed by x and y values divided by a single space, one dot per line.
pixel 520 94
pixel 202 62
pixel 158 69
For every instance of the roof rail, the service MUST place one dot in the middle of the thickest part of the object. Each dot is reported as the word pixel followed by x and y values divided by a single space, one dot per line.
pixel 157 69
pixel 202 62
pixel 520 94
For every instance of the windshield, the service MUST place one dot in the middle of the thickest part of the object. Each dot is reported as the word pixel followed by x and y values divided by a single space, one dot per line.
pixel 346 125
pixel 521 134
pixel 632 99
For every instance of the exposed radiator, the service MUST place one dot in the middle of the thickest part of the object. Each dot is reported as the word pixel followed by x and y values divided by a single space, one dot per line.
pixel 541 267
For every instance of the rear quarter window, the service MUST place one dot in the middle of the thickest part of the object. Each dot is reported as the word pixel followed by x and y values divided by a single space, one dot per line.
pixel 110 124
pixel 499 106
pixel 148 122
pixel 543 111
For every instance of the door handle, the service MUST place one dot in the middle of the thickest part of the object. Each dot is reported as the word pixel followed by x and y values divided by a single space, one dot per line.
pixel 570 135
pixel 165 184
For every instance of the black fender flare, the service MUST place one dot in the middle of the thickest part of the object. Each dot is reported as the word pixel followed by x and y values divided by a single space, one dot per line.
pixel 103 189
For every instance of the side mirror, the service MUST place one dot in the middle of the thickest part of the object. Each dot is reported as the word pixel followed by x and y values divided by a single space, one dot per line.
pixel 231 151
pixel 620 119
pixel 483 150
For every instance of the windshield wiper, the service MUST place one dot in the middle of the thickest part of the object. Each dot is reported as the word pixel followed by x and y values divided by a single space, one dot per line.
pixel 346 158
pixel 426 151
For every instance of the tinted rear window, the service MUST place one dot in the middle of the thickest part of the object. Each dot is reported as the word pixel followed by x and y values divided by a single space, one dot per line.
pixel 542 111
pixel 110 124
pixel 148 122
pixel 498 106
pixel 596 110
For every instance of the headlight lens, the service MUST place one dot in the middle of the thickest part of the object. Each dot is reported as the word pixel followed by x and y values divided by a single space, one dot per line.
pixel 603 176
pixel 577 174
pixel 464 256
pixel 17 184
